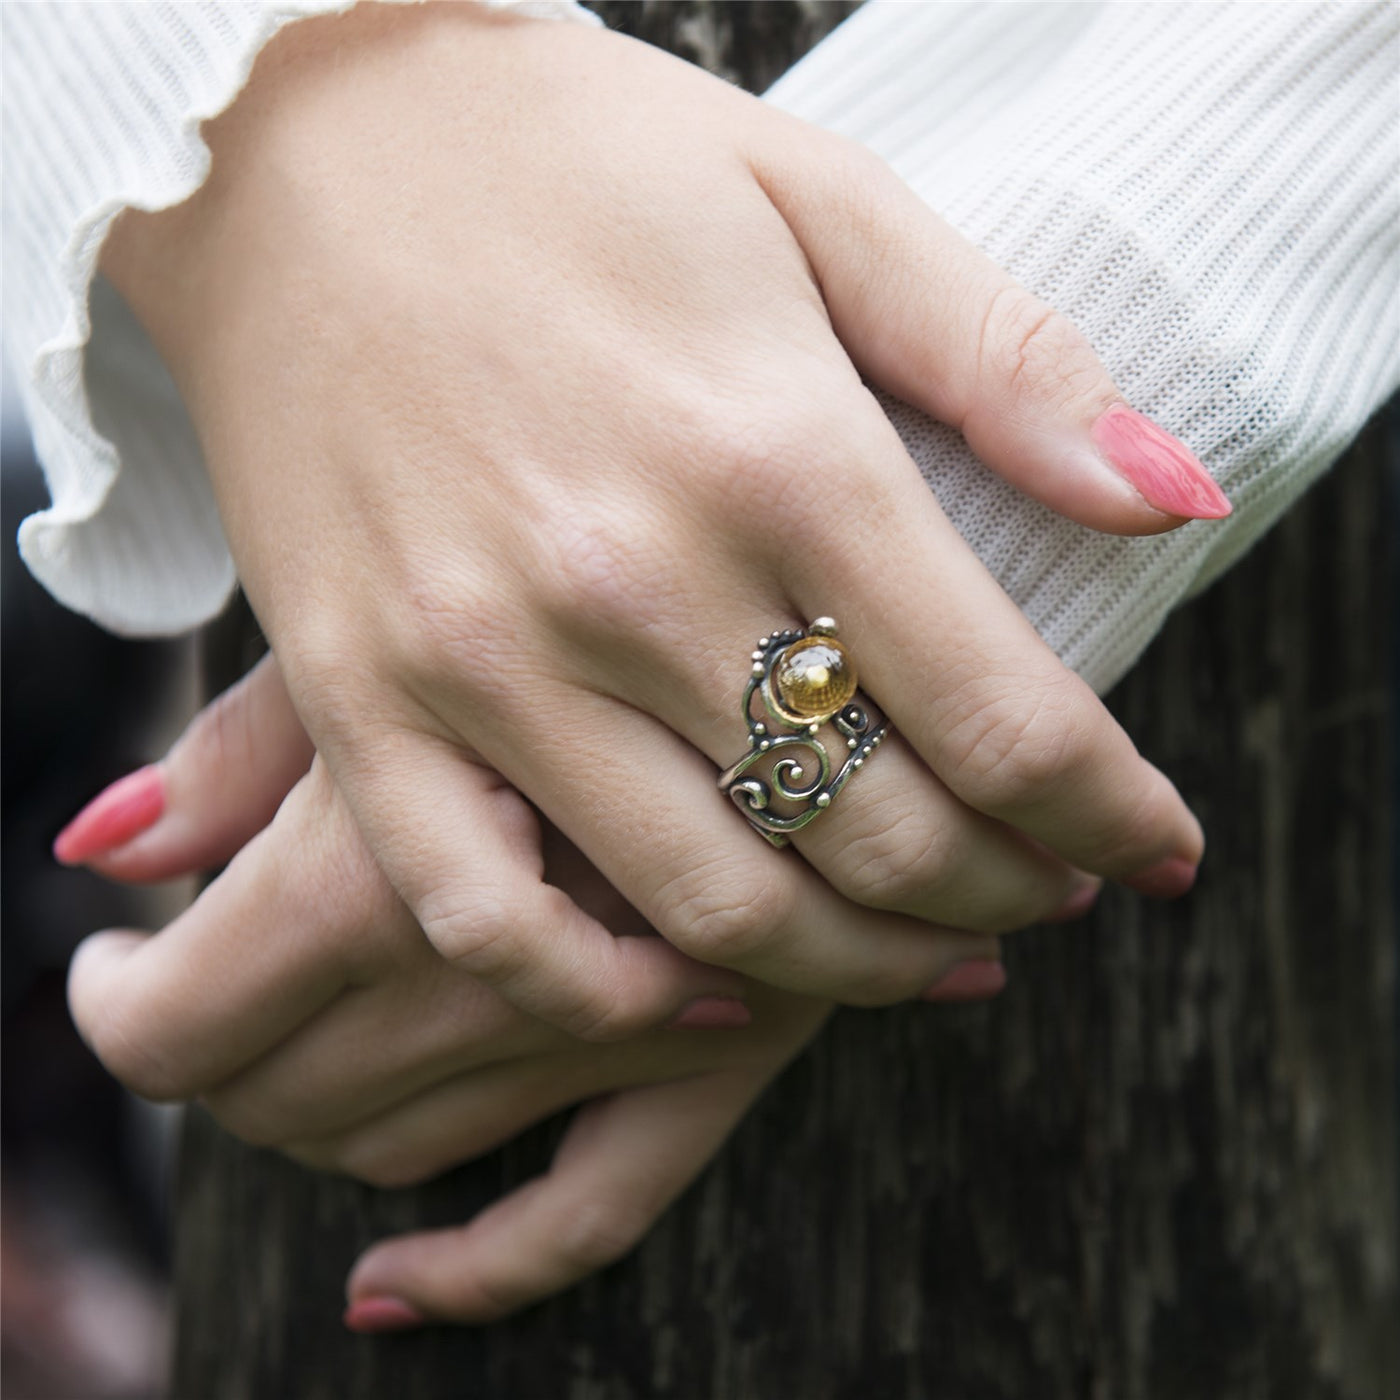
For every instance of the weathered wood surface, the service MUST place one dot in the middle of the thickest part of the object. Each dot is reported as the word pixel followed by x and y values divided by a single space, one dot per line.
pixel 1161 1167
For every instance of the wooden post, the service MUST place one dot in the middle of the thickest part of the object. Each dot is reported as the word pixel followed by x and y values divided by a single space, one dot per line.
pixel 1162 1166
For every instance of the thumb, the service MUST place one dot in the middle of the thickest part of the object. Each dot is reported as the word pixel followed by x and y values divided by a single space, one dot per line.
pixel 928 317
pixel 214 791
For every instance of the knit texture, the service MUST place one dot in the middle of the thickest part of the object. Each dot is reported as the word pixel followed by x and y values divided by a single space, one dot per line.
pixel 1211 192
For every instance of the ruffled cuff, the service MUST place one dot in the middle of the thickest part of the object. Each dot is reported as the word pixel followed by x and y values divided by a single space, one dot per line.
pixel 103 105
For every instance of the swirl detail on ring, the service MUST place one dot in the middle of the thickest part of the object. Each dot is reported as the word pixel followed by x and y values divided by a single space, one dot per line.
pixel 804 680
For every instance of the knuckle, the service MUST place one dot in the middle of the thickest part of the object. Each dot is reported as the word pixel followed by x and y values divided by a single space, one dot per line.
pixel 1026 345
pixel 927 868
pixel 475 930
pixel 606 570
pixel 596 1232
pixel 761 463
pixel 1010 752
pixel 326 877
pixel 354 895
pixel 857 185
pixel 134 1061
pixel 900 859
pixel 455 626
pixel 321 664
pixel 1132 833
pixel 726 918
pixel 620 998
pixel 610 1016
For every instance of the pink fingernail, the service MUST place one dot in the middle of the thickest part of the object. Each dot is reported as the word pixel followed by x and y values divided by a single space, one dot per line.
pixel 131 805
pixel 1165 472
pixel 382 1315
pixel 1077 905
pixel 968 981
pixel 712 1014
pixel 1168 879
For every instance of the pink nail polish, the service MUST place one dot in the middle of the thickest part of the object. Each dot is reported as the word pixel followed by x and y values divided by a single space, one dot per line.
pixel 712 1014
pixel 1165 472
pixel 968 981
pixel 1168 879
pixel 382 1315
pixel 1077 905
pixel 130 806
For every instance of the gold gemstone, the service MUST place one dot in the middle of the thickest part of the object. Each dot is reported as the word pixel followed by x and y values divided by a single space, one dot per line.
pixel 814 677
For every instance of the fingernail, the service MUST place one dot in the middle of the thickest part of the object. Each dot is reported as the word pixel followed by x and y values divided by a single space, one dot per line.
pixel 968 981
pixel 712 1014
pixel 1077 905
pixel 1163 470
pixel 1168 879
pixel 130 806
pixel 382 1315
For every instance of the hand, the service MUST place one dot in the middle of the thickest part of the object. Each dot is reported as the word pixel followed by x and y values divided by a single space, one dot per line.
pixel 527 362
pixel 300 1000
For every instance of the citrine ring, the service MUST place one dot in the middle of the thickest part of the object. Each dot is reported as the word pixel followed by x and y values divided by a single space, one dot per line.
pixel 805 681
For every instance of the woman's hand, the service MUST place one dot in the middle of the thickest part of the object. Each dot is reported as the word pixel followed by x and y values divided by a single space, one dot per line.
pixel 298 998
pixel 528 366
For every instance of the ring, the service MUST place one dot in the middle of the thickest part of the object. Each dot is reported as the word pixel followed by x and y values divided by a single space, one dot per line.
pixel 805 679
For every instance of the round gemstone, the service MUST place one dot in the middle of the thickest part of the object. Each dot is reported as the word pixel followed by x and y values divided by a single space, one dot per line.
pixel 814 677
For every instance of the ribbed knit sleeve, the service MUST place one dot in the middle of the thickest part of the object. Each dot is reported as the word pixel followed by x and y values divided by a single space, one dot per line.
pixel 102 108
pixel 1211 192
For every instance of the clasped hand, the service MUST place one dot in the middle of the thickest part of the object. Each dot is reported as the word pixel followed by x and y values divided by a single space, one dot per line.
pixel 530 367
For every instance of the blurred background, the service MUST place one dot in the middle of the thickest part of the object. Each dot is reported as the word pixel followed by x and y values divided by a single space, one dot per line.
pixel 83 1295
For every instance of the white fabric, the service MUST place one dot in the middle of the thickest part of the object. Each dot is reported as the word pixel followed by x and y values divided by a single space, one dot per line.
pixel 1211 191
pixel 102 106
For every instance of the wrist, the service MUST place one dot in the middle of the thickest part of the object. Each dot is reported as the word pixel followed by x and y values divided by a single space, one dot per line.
pixel 277 153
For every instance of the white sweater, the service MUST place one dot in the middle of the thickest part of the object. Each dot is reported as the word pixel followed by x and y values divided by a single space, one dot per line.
pixel 1210 191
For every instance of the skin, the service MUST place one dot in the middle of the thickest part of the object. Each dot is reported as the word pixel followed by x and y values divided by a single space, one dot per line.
pixel 354 1047
pixel 528 365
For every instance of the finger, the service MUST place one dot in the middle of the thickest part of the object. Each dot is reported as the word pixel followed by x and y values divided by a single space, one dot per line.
pixel 463 849
pixel 377 1046
pixel 413 1140
pixel 474 1080
pixel 926 315
pixel 902 840
pixel 979 695
pixel 265 946
pixel 706 882
pixel 392 1041
pixel 622 1162
pixel 895 839
pixel 218 787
